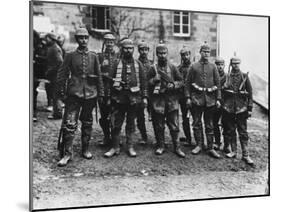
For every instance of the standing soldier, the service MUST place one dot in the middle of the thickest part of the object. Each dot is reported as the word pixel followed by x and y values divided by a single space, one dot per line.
pixel 80 74
pixel 218 113
pixel 128 90
pixel 165 81
pixel 203 95
pixel 107 59
pixel 143 49
pixel 237 107
pixel 184 69
pixel 54 61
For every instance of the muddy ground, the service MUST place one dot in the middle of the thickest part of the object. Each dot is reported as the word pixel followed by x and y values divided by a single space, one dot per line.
pixel 146 178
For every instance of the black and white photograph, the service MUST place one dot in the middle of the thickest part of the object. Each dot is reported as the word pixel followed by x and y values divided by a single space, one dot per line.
pixel 138 105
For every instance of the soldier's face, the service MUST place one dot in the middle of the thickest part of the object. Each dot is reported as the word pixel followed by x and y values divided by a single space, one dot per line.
pixel 143 52
pixel 109 44
pixel 162 55
pixel 205 54
pixel 185 57
pixel 235 66
pixel 220 67
pixel 128 51
pixel 82 41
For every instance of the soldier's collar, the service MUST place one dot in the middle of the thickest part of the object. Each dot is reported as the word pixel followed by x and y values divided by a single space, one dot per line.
pixel 203 61
pixel 84 51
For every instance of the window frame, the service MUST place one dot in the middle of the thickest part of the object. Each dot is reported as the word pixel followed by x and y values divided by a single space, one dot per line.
pixel 106 20
pixel 181 24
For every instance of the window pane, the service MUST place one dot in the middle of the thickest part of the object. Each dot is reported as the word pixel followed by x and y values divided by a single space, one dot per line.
pixel 185 29
pixel 185 13
pixel 185 19
pixel 107 24
pixel 176 29
pixel 177 13
pixel 100 18
pixel 176 19
pixel 107 13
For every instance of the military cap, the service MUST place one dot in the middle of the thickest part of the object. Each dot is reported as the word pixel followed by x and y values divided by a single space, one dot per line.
pixel 235 60
pixel 81 32
pixel 127 43
pixel 205 47
pixel 52 35
pixel 219 60
pixel 161 46
pixel 143 44
pixel 109 36
pixel 184 50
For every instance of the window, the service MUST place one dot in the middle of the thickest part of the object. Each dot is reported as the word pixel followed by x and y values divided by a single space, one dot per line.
pixel 181 24
pixel 101 17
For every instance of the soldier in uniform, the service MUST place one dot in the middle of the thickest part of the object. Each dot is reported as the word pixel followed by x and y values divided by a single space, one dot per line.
pixel 143 49
pixel 218 113
pixel 80 75
pixel 237 107
pixel 54 61
pixel 128 90
pixel 39 67
pixel 203 96
pixel 184 69
pixel 165 81
pixel 107 59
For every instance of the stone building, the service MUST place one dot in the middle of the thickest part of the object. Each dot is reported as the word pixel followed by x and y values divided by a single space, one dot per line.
pixel 175 28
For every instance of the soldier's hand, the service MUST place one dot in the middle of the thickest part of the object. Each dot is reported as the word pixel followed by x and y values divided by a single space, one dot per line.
pixel 188 103
pixel 144 102
pixel 170 86
pixel 218 104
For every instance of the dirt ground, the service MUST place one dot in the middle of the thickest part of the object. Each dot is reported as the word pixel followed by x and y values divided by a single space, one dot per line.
pixel 146 178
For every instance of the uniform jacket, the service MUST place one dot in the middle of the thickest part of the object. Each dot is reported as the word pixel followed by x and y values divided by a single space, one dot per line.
pixel 205 75
pixel 83 70
pixel 146 64
pixel 54 61
pixel 124 95
pixel 237 102
pixel 183 69
pixel 167 100
pixel 107 60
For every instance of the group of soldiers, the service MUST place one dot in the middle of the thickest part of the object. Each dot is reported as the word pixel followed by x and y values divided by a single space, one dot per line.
pixel 124 88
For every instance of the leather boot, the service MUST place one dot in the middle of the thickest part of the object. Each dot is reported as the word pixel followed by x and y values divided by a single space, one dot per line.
pixel 176 143
pixel 245 152
pixel 85 147
pixel 186 130
pixel 67 142
pixel 105 126
pixel 248 160
pixel 131 150
pixel 210 143
pixel 226 146
pixel 160 149
pixel 115 150
pixel 233 144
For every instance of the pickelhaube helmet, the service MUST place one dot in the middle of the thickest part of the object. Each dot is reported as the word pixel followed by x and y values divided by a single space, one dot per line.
pixel 161 47
pixel 205 47
pixel 184 50
pixel 127 43
pixel 109 36
pixel 219 60
pixel 143 44
pixel 235 60
pixel 52 35
pixel 81 31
